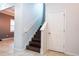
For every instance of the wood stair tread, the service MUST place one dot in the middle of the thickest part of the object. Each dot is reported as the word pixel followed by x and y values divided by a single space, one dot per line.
pixel 35 43
pixel 36 40
pixel 33 48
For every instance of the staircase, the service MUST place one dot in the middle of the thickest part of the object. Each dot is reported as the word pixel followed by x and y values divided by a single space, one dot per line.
pixel 35 43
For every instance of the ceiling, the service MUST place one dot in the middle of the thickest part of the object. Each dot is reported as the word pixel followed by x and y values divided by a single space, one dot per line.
pixel 8 11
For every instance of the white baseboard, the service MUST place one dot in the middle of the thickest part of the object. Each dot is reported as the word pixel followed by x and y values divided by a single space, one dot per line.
pixel 71 54
pixel 7 38
pixel 15 49
pixel 65 52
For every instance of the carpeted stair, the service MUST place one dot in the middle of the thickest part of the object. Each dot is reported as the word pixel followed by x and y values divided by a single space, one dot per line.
pixel 35 43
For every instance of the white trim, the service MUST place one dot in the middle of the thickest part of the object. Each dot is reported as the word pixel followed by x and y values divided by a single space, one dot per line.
pixel 43 38
pixel 16 49
pixel 71 54
pixel 44 26
pixel 42 52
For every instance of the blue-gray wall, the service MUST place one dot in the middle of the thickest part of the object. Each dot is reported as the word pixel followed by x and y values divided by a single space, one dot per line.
pixel 28 18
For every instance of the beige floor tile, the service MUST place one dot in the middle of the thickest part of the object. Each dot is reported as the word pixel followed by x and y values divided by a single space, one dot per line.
pixel 6 49
pixel 54 53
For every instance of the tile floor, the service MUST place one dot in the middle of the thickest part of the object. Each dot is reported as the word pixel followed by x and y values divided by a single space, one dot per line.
pixel 6 49
pixel 55 53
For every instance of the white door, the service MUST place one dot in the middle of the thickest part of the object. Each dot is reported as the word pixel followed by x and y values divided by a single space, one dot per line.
pixel 56 24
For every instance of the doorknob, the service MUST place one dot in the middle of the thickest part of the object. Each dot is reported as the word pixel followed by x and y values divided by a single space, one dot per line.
pixel 64 30
pixel 49 33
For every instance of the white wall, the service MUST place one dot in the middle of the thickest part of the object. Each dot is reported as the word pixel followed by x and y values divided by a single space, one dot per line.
pixel 28 18
pixel 71 26
pixel 72 30
pixel 18 33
